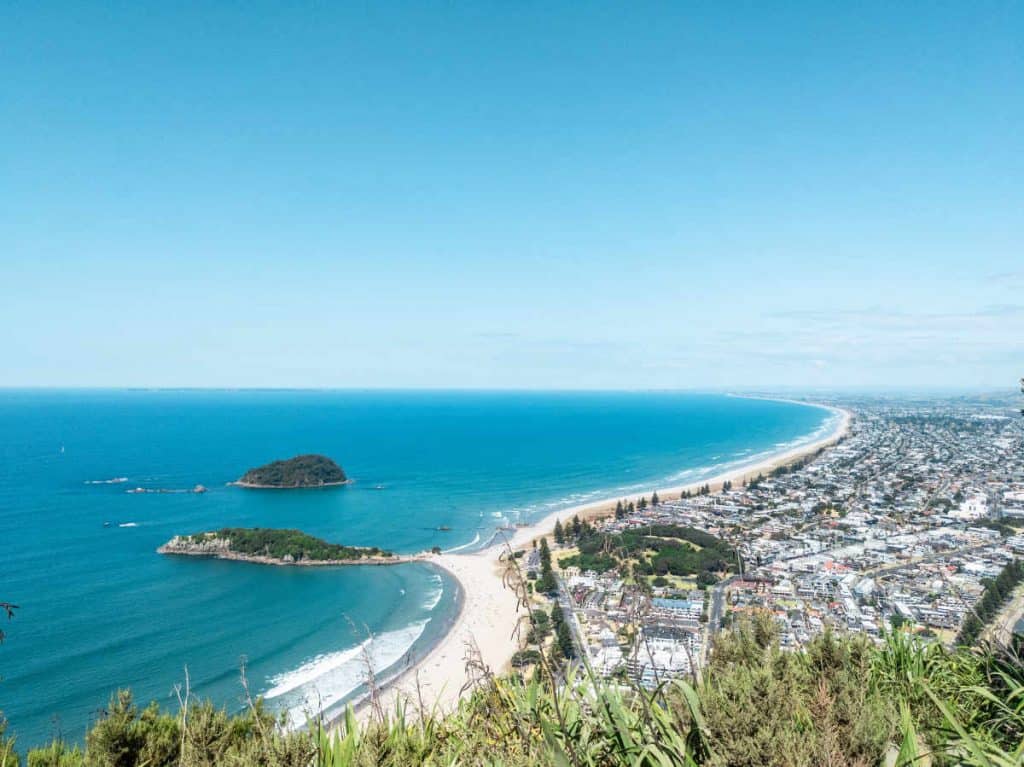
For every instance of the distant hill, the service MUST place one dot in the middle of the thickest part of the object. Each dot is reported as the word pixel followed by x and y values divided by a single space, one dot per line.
pixel 300 471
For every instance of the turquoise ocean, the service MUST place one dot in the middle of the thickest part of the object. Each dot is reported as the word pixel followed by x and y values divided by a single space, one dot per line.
pixel 99 609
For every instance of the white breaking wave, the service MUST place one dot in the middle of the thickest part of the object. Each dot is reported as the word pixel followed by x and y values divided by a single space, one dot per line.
pixel 474 542
pixel 129 524
pixel 327 679
pixel 433 597
pixel 574 499
pixel 736 461
pixel 313 670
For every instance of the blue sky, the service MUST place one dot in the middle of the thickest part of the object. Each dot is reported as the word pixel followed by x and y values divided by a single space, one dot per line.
pixel 537 195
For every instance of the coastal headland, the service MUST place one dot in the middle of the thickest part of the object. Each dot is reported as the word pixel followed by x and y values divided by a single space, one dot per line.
pixel 268 546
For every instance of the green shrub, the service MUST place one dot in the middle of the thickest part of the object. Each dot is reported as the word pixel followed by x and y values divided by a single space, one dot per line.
pixel 839 701
pixel 57 754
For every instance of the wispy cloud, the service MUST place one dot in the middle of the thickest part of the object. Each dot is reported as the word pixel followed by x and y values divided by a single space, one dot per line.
pixel 879 315
pixel 1012 278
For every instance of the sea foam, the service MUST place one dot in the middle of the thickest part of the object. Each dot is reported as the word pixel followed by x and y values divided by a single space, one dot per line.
pixel 433 597
pixel 328 679
pixel 474 542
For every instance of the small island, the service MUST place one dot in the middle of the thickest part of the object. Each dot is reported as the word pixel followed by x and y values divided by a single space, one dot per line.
pixel 302 471
pixel 274 547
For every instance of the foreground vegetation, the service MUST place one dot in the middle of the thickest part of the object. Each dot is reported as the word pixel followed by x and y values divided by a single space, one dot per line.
pixel 842 701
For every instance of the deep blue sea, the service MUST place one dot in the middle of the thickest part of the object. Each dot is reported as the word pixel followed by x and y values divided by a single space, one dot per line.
pixel 99 609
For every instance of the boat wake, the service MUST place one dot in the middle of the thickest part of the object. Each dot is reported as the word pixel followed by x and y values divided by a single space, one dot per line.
pixel 113 481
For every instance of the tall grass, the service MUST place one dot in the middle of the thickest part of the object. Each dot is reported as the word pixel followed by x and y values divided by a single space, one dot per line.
pixel 512 722
pixel 841 701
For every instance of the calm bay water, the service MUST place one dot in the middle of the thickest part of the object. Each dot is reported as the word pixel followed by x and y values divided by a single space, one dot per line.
pixel 99 609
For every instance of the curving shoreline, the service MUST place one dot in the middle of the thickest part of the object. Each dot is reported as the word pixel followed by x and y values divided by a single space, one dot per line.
pixel 485 618
pixel 764 464
pixel 489 613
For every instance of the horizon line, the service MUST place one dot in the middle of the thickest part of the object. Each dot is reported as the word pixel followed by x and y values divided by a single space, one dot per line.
pixel 818 390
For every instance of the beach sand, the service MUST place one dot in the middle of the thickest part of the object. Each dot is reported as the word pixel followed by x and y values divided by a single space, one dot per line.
pixel 600 509
pixel 486 622
pixel 489 611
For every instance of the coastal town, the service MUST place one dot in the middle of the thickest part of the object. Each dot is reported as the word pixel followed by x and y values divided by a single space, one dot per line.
pixel 901 525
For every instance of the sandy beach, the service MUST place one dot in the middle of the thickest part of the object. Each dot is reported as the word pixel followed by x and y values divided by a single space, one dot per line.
pixel 489 614
pixel 486 621
pixel 605 508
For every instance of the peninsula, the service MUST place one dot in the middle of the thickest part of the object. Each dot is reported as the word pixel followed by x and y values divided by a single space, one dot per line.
pixel 274 547
pixel 302 471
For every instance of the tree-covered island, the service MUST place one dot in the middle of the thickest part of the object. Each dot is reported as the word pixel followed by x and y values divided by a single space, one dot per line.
pixel 272 546
pixel 302 471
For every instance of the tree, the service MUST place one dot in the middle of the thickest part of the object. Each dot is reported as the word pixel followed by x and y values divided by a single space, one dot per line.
pixel 576 526
pixel 620 512
pixel 643 503
pixel 525 658
pixel 655 500
pixel 545 554
pixel 557 616
pixel 113 738
pixel 546 582
pixel 540 629
pixel 565 640
pixel 559 533
pixel 995 594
